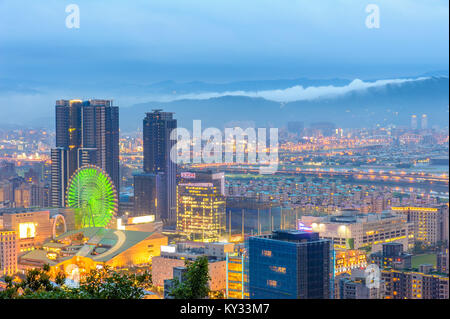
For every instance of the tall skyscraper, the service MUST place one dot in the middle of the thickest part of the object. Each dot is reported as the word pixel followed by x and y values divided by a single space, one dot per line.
pixel 424 122
pixel 290 264
pixel 59 176
pixel 157 145
pixel 414 122
pixel 88 132
pixel 201 206
pixel 145 194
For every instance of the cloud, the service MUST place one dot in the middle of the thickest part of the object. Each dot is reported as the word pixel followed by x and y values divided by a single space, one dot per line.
pixel 296 93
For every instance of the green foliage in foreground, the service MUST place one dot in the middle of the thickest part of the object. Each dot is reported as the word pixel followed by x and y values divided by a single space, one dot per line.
pixel 97 284
pixel 195 284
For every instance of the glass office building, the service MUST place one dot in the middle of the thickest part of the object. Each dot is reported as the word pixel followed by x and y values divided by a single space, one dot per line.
pixel 290 264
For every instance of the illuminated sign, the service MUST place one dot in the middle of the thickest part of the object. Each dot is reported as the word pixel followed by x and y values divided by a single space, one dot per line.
pixel 27 230
pixel 168 249
pixel 142 219
pixel 196 184
pixel 303 227
pixel 119 224
pixel 416 209
pixel 187 175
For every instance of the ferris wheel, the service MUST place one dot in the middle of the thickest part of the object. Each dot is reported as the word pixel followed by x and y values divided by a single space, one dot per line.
pixel 92 194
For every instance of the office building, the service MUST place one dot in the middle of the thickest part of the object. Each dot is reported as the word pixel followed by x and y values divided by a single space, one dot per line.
pixel 158 126
pixel 428 222
pixel 424 122
pixel 8 252
pixel 237 274
pixel 201 206
pixel 145 194
pixel 87 132
pixel 290 264
pixel 59 176
pixel 414 122
pixel 355 230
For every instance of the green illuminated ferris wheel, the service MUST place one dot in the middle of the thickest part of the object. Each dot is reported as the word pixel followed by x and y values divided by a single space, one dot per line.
pixel 92 194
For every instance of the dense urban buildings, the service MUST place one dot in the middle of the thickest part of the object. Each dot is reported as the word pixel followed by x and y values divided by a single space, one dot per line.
pixel 262 150
pixel 366 214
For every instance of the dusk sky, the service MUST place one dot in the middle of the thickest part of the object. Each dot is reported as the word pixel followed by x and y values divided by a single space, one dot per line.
pixel 144 41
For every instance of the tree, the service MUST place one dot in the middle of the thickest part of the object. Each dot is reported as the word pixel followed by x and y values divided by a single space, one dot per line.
pixel 36 282
pixel 195 282
pixel 105 283
pixel 101 283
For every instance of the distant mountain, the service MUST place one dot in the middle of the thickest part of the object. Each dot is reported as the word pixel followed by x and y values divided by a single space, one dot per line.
pixel 172 87
pixel 389 104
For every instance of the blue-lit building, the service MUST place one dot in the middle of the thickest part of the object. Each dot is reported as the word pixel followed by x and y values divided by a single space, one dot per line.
pixel 290 264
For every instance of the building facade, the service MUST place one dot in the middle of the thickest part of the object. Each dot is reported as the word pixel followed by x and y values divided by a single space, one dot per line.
pixel 237 274
pixel 158 126
pixel 414 285
pixel 392 255
pixel 176 255
pixel 354 286
pixel 354 230
pixel 8 252
pixel 201 206
pixel 87 132
pixel 428 222
pixel 290 265
pixel 145 194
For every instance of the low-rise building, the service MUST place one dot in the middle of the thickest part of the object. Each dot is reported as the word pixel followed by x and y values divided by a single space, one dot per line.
pixel 176 255
pixel 414 285
pixel 354 230
pixel 354 286
pixel 392 255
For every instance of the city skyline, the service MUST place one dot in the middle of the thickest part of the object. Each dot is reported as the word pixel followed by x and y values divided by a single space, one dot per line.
pixel 224 157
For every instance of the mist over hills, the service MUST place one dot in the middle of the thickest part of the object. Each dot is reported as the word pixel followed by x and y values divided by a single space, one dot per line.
pixel 347 103
pixel 386 104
